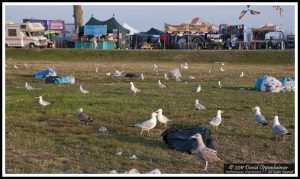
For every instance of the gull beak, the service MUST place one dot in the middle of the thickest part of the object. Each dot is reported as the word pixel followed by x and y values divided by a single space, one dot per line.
pixel 193 137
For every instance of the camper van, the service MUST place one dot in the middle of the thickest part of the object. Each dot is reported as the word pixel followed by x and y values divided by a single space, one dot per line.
pixel 28 35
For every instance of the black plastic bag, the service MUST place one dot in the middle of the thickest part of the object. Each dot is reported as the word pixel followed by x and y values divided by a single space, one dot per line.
pixel 131 75
pixel 179 139
pixel 51 79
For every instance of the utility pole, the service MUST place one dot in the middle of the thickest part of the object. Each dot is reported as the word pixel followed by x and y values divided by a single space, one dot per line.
pixel 78 13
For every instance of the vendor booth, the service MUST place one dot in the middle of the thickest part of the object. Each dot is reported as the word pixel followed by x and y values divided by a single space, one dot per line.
pixel 147 40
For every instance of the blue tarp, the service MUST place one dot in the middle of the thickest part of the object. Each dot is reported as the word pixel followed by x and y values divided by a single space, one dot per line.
pixel 258 82
pixel 45 73
pixel 285 79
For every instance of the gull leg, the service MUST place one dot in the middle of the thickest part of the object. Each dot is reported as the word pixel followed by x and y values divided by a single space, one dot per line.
pixel 284 138
pixel 206 165
pixel 276 138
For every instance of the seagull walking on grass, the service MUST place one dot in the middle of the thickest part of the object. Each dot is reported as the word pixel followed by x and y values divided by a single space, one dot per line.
pixel 161 118
pixel 205 153
pixel 279 129
pixel 185 66
pixel 197 89
pixel 147 125
pixel 16 67
pixel 259 118
pixel 42 102
pixel 142 76
pixel 221 69
pixel 219 85
pixel 134 89
pixel 198 105
pixel 108 73
pixel 83 117
pixel 216 121
pixel 161 85
pixel 166 76
pixel 28 87
pixel 83 90
pixel 242 74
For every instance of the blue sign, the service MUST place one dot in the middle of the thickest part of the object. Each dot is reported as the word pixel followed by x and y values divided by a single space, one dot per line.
pixel 95 30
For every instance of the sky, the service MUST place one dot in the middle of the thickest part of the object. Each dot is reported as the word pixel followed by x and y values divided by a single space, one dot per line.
pixel 143 17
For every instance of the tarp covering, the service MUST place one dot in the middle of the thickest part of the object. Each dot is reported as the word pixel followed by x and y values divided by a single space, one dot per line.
pixel 267 27
pixel 111 23
pixel 131 29
pixel 153 31
pixel 179 139
pixel 188 27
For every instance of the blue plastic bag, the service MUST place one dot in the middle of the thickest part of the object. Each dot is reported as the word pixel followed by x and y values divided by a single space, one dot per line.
pixel 285 79
pixel 68 80
pixel 45 73
pixel 258 82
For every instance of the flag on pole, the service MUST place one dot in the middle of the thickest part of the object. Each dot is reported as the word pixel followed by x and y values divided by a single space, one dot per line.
pixel 165 37
pixel 242 14
pixel 254 12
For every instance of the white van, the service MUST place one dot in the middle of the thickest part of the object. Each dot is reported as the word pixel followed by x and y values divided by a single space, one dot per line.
pixel 28 35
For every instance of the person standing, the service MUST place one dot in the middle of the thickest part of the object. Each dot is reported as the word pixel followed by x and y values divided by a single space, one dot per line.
pixel 95 42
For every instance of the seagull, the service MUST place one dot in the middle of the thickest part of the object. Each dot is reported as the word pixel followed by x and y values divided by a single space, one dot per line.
pixel 209 71
pixel 147 125
pixel 161 118
pixel 221 69
pixel 142 76
pixel 216 121
pixel 108 73
pixel 242 74
pixel 222 63
pixel 15 66
pixel 83 117
pixel 155 69
pixel 185 66
pixel 207 154
pixel 118 73
pixel 96 69
pixel 219 84
pixel 161 85
pixel 133 156
pixel 197 89
pixel 42 102
pixel 259 118
pixel 190 77
pixel 198 105
pixel 83 90
pixel 119 153
pixel 28 87
pixel 134 89
pixel 279 129
pixel 166 77
pixel 178 79
pixel 26 65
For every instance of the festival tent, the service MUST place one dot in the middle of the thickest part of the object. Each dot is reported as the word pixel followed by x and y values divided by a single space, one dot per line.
pixel 153 31
pixel 111 23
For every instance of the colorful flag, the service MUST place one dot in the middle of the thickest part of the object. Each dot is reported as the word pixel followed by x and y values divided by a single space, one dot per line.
pixel 165 37
pixel 242 14
pixel 254 12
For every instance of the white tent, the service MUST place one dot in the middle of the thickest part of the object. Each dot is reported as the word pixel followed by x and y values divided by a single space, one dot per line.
pixel 131 29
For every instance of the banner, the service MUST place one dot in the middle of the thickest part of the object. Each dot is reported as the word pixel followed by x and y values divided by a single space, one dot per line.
pixel 115 34
pixel 43 22
pixel 56 24
pixel 95 30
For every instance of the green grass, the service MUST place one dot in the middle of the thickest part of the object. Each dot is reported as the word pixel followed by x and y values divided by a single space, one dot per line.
pixel 52 140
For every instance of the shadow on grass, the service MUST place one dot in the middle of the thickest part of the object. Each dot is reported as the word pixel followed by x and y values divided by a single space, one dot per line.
pixel 238 88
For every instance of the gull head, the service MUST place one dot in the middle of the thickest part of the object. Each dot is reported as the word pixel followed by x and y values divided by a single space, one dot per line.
pixel 219 112
pixel 196 136
pixel 153 115
pixel 256 108
pixel 80 110
pixel 131 83
pixel 197 101
pixel 40 97
pixel 159 111
pixel 276 121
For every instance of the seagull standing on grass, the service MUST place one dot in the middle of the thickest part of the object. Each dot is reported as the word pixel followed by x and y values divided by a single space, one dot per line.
pixel 155 69
pixel 198 105
pixel 42 102
pixel 161 118
pixel 207 154
pixel 242 74
pixel 96 69
pixel 83 90
pixel 28 87
pixel 259 118
pixel 166 77
pixel 83 117
pixel 209 71
pixel 221 69
pixel 108 73
pixel 197 89
pixel 26 65
pixel 142 76
pixel 216 121
pixel 161 85
pixel 219 84
pixel 134 89
pixel 279 129
pixel 147 125
pixel 15 66
pixel 185 66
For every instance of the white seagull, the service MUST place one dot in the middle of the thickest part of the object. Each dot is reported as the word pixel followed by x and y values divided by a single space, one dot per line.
pixel 198 105
pixel 83 117
pixel 219 84
pixel 15 66
pixel 279 129
pixel 119 153
pixel 242 74
pixel 166 77
pixel 205 153
pixel 83 90
pixel 147 125
pixel 161 118
pixel 221 69
pixel 134 89
pixel 118 73
pixel 108 73
pixel 133 156
pixel 185 66
pixel 216 121
pixel 197 89
pixel 28 87
pixel 142 76
pixel 96 69
pixel 178 79
pixel 161 85
pixel 26 65
pixel 209 71
pixel 259 118
pixel 42 102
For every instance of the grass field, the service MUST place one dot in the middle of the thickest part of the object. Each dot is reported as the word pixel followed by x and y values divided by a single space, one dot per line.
pixel 52 140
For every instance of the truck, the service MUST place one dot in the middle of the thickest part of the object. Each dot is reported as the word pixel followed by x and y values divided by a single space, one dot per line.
pixel 25 35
